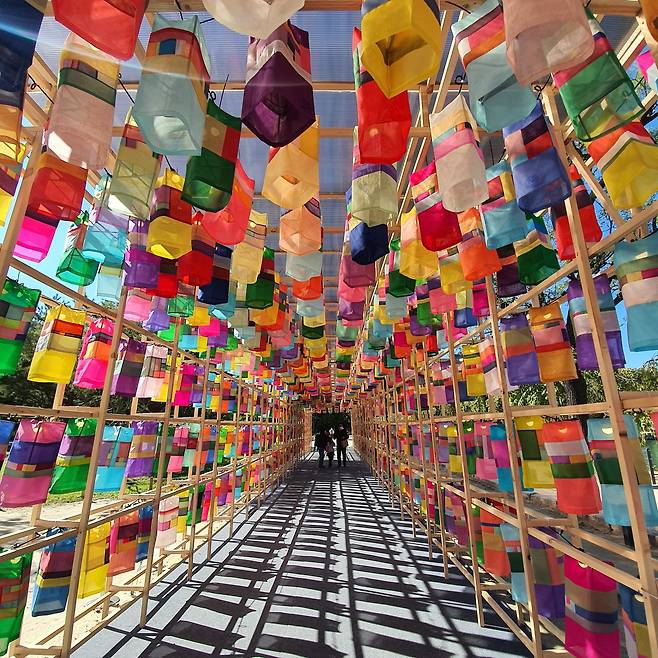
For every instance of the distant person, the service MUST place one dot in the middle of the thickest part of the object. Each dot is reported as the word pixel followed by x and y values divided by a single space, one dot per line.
pixel 329 449
pixel 343 441
pixel 321 444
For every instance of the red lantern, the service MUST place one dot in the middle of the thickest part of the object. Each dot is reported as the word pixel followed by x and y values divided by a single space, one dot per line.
pixel 195 268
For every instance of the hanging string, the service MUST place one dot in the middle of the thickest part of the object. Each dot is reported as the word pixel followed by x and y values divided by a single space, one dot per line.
pixel 132 100
pixel 454 4
pixel 36 85
pixel 460 80
pixel 540 88
pixel 180 9
pixel 223 90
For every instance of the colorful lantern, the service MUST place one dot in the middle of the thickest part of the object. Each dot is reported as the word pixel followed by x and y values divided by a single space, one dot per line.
pixel 142 268
pixel 383 123
pixel 14 587
pixel 539 175
pixel 228 226
pixel 115 447
pixel 302 268
pixel 195 268
pixel 153 372
pixel 21 22
pixel 18 304
pixel 368 243
pixel 536 258
pixel 57 348
pixel 257 18
pixel 217 291
pixel 142 448
pixel 28 469
pixel 635 268
pixel 135 173
pixel 300 230
pixel 106 238
pixel 416 262
pixel 496 97
pixel 73 267
pixel 277 104
pixel 128 367
pixel 439 228
pixel 307 290
pixel 476 260
pixel 503 221
pixel 552 343
pixel 572 468
pixel 597 93
pixel 94 355
pixel 519 350
pixel 507 278
pixel 80 124
pixel 292 175
pixel 540 42
pixel 95 561
pixel 248 255
pixel 72 464
pixel 10 173
pixel 585 352
pixel 123 544
pixel 111 27
pixel 51 587
pixel 56 194
pixel 459 160
pixel 535 465
pixel 634 619
pixel 170 105
pixel 586 217
pixel 401 43
pixel 628 161
pixel 167 522
pixel 170 228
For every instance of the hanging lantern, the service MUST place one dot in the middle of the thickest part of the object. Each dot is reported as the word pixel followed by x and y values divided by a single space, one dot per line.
pixel 141 267
pixel 496 96
pixel 260 294
pixel 451 273
pixel 73 267
pixel 597 93
pixel 585 352
pixel 634 266
pixel 302 268
pixel 309 309
pixel 20 24
pixel 368 243
pixel 195 268
pixel 74 456
pixel 374 193
pixel 142 448
pixel 138 305
pixel 135 173
pixel 217 291
pixel 476 260
pixel 58 345
pixel 128 367
pixel 535 255
pixel 170 228
pixel 57 194
pixel 158 319
pixel 416 262
pixel 459 161
pixel 300 230
pixel 586 217
pixel 113 456
pixel 539 41
pixel 401 42
pixel 170 105
pixel 628 160
pixel 439 228
pixel 53 581
pixel 228 226
pixel 209 176
pixel 79 128
pixel 95 561
pixel 507 278
pixel 277 104
pixel 519 350
pixel 106 238
pixel 18 304
pixel 257 18
pixel 503 221
pixel 539 176
pixel 383 123
pixel 181 305
pixel 10 173
pixel 111 27
pixel 94 355
pixel 307 289
pixel 167 284
pixel 28 469
pixel 549 334
pixel 248 255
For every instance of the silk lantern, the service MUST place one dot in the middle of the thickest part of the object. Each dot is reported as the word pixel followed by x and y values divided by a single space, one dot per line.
pixel 106 237
pixel 401 43
pixel 217 291
pixel 209 176
pixel 303 268
pixel 57 348
pixel 128 367
pixel 79 128
pixel 73 267
pixel 368 243
pixel 300 230
pixel 21 22
pixel 10 173
pixel 109 26
pixel 416 262
pixel 228 226
pixel 597 93
pixel 439 227
pixel 539 41
pixel 170 228
pixel 539 175
pixel 383 123
pixel 459 160
pixel 135 173
pixel 248 255
pixel 496 97
pixel 635 266
pixel 519 350
pixel 277 104
pixel 628 161
pixel 195 268
pixel 257 18
pixel 94 354
pixel 18 304
pixel 170 105
pixel 550 336
pixel 142 268
pixel 536 258
pixel 292 175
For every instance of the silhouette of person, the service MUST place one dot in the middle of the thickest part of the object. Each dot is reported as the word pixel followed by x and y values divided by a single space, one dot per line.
pixel 343 441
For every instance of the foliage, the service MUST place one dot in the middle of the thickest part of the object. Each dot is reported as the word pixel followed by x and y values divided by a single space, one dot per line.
pixel 325 421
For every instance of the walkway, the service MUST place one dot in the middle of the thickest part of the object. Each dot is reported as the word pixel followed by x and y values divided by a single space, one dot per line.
pixel 326 569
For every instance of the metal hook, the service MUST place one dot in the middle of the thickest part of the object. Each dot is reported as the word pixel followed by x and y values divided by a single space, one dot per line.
pixel 461 81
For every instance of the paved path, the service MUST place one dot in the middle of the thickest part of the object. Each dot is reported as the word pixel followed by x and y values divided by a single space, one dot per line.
pixel 326 569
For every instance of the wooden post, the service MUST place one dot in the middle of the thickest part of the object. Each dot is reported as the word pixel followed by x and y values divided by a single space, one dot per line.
pixel 235 454
pixel 162 456
pixel 213 497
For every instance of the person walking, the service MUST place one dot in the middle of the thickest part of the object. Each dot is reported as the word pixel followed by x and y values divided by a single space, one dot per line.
pixel 321 444
pixel 329 449
pixel 343 442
